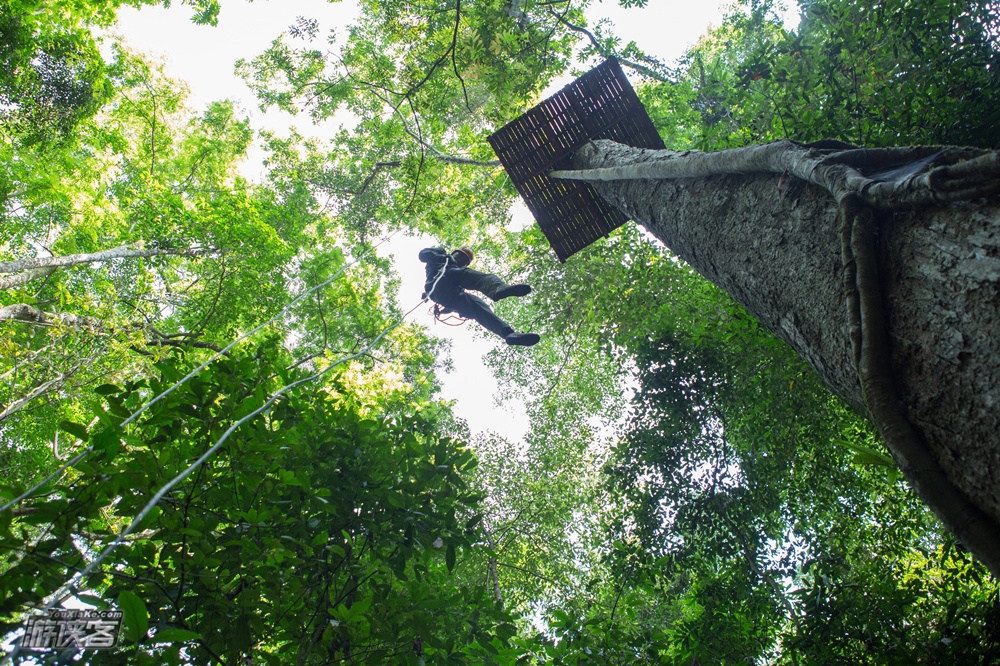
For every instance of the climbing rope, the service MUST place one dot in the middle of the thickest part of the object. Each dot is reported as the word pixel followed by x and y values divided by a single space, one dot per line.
pixel 437 278
pixel 438 311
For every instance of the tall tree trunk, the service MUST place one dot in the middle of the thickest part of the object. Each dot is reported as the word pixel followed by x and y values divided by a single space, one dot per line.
pixel 892 299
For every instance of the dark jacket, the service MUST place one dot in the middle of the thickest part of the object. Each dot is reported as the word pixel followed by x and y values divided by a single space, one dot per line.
pixel 435 258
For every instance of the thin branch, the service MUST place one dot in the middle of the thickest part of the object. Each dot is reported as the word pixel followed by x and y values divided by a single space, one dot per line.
pixel 439 154
pixel 417 136
pixel 453 49
pixel 197 344
pixel 200 326
pixel 31 356
pixel 534 574
pixel 642 69
pixel 379 166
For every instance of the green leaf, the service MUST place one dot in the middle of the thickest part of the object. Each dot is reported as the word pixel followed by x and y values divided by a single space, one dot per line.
pixel 449 556
pixel 175 635
pixel 92 600
pixel 107 440
pixel 487 645
pixel 506 631
pixel 107 389
pixel 874 458
pixel 75 429
pixel 135 617
pixel 361 606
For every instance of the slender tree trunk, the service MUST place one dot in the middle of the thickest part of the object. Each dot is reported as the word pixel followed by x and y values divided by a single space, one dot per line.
pixel 28 314
pixel 894 300
pixel 30 268
pixel 6 411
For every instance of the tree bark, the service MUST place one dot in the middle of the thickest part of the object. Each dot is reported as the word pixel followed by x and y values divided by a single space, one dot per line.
pixel 888 267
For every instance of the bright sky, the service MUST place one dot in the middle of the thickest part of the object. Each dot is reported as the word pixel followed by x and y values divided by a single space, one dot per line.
pixel 203 57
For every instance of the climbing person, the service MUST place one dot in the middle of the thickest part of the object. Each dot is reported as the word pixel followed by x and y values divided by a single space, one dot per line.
pixel 448 278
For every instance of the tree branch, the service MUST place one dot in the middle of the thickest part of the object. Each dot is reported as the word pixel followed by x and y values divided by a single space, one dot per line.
pixel 439 154
pixel 28 314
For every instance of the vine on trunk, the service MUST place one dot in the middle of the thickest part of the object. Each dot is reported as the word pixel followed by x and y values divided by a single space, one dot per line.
pixel 869 334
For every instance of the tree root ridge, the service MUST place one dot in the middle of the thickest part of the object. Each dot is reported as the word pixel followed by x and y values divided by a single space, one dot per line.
pixel 870 341
pixel 885 178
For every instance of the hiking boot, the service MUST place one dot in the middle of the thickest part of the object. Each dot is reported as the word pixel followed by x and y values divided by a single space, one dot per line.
pixel 522 339
pixel 513 290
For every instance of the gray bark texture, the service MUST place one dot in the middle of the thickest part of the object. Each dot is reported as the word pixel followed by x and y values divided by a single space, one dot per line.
pixel 774 241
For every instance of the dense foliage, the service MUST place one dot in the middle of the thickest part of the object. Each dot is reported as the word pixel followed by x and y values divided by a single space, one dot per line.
pixel 326 529
pixel 689 492
pixel 870 74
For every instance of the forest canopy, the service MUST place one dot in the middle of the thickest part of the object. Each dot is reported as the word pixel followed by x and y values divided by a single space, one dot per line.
pixel 217 417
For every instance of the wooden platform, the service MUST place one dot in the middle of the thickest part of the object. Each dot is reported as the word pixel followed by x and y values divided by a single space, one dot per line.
pixel 601 104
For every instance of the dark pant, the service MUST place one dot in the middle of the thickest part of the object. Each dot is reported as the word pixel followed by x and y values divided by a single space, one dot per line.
pixel 450 292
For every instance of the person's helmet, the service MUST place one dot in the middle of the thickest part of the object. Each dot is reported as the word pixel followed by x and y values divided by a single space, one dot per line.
pixel 463 256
